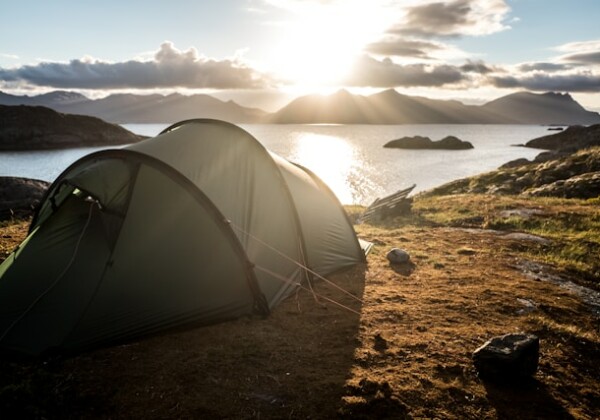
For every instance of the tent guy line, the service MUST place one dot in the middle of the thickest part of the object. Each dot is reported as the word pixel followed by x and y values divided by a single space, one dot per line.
pixel 299 264
pixel 298 284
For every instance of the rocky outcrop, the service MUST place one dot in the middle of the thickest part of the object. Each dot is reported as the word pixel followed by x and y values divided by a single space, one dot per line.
pixel 580 186
pixel 37 128
pixel 419 142
pixel 20 196
pixel 571 176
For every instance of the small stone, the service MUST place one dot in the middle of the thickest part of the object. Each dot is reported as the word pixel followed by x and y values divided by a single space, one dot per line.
pixel 398 256
pixel 508 357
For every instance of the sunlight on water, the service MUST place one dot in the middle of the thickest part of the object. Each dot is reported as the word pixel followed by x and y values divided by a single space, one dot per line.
pixel 331 158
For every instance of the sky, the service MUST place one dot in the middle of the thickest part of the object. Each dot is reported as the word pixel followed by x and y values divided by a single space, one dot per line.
pixel 264 53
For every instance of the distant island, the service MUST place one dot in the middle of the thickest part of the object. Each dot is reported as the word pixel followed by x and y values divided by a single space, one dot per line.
pixel 419 142
pixel 40 128
pixel 342 107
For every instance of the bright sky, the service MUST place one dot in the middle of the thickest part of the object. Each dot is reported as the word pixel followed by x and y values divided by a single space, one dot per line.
pixel 264 52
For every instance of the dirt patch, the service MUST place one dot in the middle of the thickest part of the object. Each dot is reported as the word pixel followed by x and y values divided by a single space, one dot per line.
pixel 408 353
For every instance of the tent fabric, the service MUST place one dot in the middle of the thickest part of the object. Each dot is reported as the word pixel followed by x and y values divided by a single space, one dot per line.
pixel 197 225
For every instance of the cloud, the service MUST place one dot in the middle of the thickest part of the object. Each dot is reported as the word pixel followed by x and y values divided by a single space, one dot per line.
pixel 374 73
pixel 476 67
pixel 592 57
pixel 542 66
pixel 169 68
pixel 396 46
pixel 579 82
pixel 454 18
pixel 585 52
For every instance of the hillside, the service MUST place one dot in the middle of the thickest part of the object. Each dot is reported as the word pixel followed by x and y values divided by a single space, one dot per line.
pixel 547 108
pixel 36 128
pixel 572 176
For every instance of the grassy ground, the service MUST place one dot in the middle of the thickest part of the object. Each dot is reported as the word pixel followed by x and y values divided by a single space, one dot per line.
pixel 407 354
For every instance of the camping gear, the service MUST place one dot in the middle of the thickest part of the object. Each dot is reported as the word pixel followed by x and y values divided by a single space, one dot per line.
pixel 197 225
pixel 394 204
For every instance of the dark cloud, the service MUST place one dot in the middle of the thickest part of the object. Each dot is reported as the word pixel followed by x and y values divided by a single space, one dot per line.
pixel 542 66
pixel 454 18
pixel 438 18
pixel 374 73
pixel 476 67
pixel 169 68
pixel 396 46
pixel 546 82
pixel 588 57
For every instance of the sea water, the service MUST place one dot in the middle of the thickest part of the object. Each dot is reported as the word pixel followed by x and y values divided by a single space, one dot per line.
pixel 351 159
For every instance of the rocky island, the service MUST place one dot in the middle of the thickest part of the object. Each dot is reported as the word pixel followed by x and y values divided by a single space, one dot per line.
pixel 39 128
pixel 420 142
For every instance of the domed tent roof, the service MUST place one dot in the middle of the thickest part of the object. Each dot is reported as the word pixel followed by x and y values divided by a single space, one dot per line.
pixel 196 225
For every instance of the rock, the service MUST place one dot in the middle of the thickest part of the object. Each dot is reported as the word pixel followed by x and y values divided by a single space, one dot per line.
pixel 550 155
pixel 20 196
pixel 520 236
pixel 515 163
pixel 398 256
pixel 419 142
pixel 508 357
pixel 579 186
pixel 39 128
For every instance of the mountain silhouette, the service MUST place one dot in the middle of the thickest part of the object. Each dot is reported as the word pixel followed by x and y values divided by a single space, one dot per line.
pixel 391 107
pixel 342 107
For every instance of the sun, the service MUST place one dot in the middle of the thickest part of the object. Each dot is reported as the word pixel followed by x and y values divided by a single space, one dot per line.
pixel 318 48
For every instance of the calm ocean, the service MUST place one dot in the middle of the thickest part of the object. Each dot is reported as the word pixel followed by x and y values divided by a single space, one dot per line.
pixel 349 158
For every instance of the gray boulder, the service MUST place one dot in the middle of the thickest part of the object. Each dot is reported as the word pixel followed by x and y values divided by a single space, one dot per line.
pixel 398 256
pixel 508 357
pixel 20 196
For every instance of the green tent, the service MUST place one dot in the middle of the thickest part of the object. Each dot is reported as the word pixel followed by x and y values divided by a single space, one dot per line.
pixel 197 225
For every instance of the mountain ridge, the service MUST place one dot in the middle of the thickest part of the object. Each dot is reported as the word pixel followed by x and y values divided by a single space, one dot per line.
pixel 341 107
pixel 391 107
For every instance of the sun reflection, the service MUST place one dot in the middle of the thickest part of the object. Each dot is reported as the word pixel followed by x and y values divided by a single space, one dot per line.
pixel 331 158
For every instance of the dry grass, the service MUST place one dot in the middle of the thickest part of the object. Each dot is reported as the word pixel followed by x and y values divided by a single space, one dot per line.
pixel 407 355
